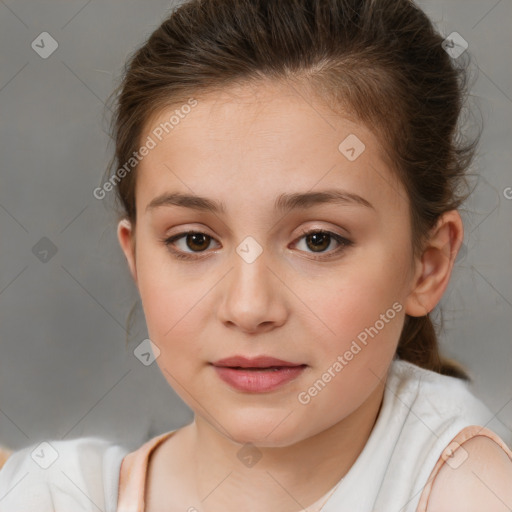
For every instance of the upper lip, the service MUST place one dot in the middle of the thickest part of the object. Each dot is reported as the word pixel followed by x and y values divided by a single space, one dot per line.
pixel 255 362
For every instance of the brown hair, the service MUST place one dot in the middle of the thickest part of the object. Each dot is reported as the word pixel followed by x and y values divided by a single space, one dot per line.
pixel 380 61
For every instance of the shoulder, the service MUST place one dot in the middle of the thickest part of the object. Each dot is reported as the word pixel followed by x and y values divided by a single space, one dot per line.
pixel 60 475
pixel 475 475
pixel 444 404
pixel 5 453
pixel 438 397
pixel 443 448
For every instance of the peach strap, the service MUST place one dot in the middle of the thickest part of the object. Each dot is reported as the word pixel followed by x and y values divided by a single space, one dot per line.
pixel 132 476
pixel 133 472
pixel 464 435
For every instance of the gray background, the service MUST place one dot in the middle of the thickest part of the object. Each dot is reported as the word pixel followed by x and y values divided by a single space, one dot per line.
pixel 65 369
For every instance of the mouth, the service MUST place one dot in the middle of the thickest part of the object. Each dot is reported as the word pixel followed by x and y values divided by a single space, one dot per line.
pixel 255 363
pixel 257 375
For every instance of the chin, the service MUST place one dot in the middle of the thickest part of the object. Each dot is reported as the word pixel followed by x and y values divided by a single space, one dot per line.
pixel 263 429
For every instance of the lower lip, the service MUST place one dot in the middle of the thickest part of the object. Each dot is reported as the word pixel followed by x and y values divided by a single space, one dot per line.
pixel 258 381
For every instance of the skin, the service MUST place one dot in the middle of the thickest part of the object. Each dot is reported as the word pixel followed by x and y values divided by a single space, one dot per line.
pixel 245 147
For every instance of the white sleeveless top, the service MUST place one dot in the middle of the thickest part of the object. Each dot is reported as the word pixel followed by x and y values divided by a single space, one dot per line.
pixel 424 418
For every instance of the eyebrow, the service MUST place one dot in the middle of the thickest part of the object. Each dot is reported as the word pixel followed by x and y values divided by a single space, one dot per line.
pixel 283 202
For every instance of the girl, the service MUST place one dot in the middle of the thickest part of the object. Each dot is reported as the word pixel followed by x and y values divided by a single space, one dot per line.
pixel 289 175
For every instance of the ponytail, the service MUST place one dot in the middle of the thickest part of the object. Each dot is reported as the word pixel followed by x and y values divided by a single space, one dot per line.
pixel 419 345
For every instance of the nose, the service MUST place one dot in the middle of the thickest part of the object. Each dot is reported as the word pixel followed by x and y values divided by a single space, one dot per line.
pixel 253 296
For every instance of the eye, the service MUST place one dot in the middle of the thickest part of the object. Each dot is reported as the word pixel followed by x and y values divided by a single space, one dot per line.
pixel 194 240
pixel 199 242
pixel 319 240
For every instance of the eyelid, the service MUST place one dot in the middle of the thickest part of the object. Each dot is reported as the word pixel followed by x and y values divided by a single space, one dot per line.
pixel 168 241
pixel 342 241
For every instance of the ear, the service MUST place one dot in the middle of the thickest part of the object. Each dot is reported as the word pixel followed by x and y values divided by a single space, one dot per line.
pixel 126 237
pixel 434 267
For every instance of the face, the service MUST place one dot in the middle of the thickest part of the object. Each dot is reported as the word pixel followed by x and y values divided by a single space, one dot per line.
pixel 249 282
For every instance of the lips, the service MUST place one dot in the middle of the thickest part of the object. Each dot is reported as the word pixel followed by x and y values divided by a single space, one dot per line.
pixel 255 362
pixel 257 375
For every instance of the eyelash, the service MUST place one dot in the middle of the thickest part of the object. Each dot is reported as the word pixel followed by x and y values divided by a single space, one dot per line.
pixel 168 242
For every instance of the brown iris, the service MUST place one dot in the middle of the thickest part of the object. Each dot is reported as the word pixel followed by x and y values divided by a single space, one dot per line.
pixel 199 240
pixel 320 241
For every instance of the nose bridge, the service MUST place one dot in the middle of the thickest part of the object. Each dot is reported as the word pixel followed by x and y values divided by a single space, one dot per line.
pixel 250 297
pixel 249 279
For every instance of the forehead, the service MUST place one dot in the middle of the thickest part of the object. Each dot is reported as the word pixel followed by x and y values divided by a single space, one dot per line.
pixel 252 143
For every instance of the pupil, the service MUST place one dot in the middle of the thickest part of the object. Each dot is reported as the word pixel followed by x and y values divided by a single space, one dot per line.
pixel 323 237
pixel 320 241
pixel 196 236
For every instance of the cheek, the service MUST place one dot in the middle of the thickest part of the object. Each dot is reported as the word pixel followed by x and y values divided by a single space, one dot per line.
pixel 360 310
pixel 172 325
pixel 357 294
pixel 171 317
pixel 171 301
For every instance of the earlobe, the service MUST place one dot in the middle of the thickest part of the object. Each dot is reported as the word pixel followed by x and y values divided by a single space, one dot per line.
pixel 435 266
pixel 126 238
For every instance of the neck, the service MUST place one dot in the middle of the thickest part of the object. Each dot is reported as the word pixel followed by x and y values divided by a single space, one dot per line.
pixel 287 478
